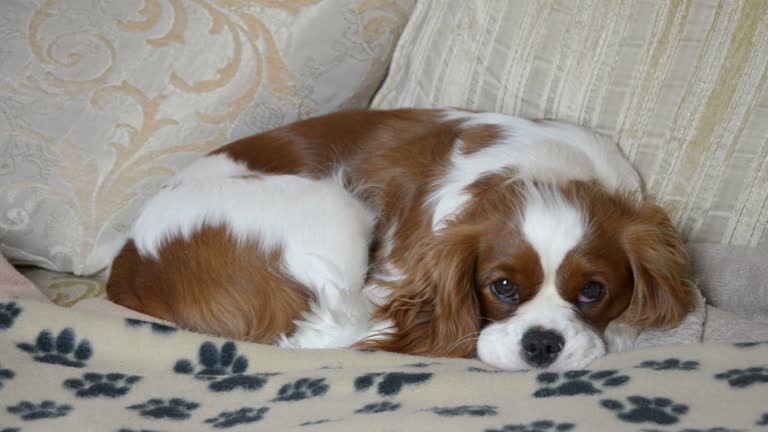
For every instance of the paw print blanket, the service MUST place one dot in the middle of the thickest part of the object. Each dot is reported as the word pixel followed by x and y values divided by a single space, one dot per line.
pixel 64 370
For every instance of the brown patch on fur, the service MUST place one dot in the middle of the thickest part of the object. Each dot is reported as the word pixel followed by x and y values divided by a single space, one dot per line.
pixel 317 145
pixel 435 309
pixel 479 137
pixel 439 308
pixel 504 252
pixel 211 284
pixel 635 251
pixel 662 296
pixel 513 259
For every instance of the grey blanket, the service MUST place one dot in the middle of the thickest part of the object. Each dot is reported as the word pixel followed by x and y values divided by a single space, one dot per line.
pixel 733 301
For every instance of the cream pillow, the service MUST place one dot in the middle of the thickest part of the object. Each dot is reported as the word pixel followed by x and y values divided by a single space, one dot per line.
pixel 680 84
pixel 102 100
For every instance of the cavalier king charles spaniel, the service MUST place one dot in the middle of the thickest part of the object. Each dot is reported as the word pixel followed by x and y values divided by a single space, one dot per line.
pixel 528 244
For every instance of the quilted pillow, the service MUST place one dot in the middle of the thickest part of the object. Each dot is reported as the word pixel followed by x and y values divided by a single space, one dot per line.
pixel 102 100
pixel 681 85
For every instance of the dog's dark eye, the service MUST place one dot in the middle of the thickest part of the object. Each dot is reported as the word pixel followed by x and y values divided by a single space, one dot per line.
pixel 506 291
pixel 591 292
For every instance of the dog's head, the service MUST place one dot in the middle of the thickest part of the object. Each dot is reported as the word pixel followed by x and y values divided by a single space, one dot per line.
pixel 530 274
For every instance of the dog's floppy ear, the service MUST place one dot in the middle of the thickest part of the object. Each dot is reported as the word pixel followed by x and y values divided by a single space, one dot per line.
pixel 435 310
pixel 662 295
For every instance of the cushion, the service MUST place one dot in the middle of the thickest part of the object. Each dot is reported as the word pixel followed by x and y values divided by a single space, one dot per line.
pixel 102 100
pixel 734 278
pixel 66 289
pixel 680 85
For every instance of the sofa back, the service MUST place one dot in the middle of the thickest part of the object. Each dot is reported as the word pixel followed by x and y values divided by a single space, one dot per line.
pixel 681 85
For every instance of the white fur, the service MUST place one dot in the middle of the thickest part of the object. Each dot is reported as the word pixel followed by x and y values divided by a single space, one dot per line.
pixel 553 226
pixel 547 150
pixel 499 344
pixel 324 239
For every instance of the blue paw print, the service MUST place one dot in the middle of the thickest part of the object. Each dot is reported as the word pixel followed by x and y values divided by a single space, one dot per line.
pixel 46 409
pixel 483 370
pixel 578 382
pixel 390 384
pixel 749 344
pixel 61 350
pixel 657 410
pixel 317 422
pixel 5 375
pixel 378 407
pixel 669 364
pixel 421 364
pixel 228 419
pixel 466 410
pixel 93 385
pixel 224 368
pixel 174 409
pixel 741 378
pixel 135 430
pixel 156 328
pixel 8 314
pixel 305 388
pixel 763 421
pixel 536 426
pixel 216 361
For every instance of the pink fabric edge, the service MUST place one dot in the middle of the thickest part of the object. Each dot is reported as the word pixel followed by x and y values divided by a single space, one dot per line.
pixel 12 283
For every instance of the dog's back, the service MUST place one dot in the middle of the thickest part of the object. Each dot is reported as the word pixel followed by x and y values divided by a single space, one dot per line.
pixel 242 242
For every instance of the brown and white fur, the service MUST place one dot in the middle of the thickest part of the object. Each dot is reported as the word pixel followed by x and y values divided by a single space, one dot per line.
pixel 433 232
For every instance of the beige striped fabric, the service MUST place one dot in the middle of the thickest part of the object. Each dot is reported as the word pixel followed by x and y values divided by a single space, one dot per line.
pixel 680 84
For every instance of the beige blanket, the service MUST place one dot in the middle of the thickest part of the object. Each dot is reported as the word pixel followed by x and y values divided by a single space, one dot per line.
pixel 67 371
pixel 62 369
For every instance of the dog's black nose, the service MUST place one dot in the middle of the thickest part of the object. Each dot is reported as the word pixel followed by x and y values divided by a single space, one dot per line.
pixel 541 347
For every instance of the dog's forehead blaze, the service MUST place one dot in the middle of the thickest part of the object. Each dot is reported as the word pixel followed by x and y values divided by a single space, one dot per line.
pixel 599 256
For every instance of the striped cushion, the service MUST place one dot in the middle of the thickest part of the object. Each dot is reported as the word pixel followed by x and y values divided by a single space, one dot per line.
pixel 680 84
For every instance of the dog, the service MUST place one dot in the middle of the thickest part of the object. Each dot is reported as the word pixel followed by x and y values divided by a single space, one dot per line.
pixel 527 244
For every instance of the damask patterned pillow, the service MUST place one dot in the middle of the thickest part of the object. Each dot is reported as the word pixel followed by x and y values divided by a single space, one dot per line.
pixel 102 100
pixel 680 84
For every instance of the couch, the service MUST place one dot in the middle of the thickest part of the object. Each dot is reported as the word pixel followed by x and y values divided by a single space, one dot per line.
pixel 103 100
